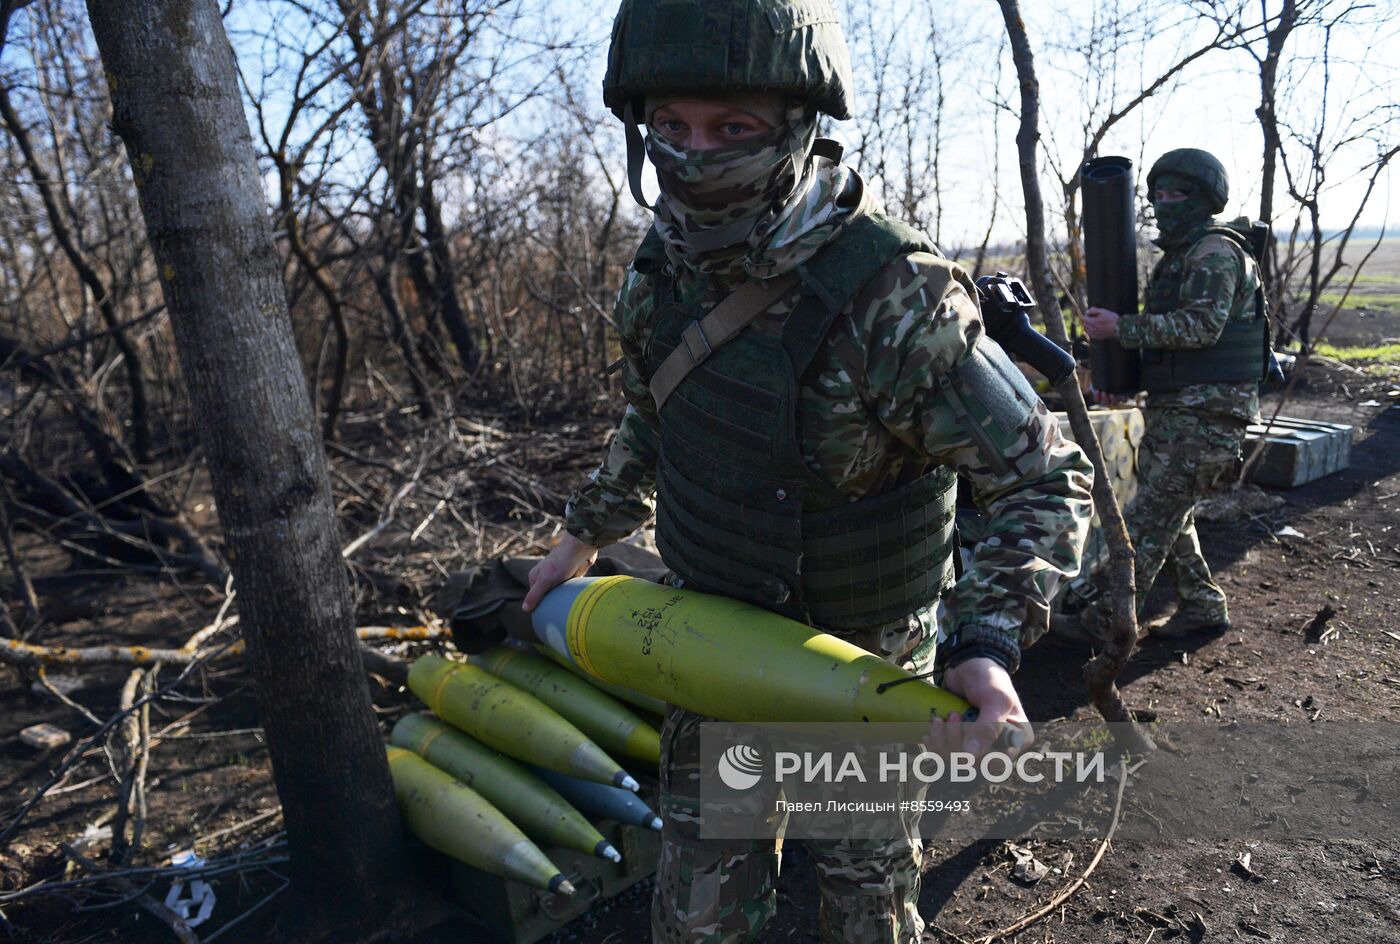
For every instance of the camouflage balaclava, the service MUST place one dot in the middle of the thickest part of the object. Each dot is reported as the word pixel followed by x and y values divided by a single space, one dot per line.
pixel 1178 219
pixel 730 197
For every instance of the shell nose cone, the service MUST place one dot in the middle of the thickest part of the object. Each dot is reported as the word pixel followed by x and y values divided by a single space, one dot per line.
pixel 551 617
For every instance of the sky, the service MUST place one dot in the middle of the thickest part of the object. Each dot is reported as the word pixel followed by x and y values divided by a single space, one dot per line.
pixel 1210 105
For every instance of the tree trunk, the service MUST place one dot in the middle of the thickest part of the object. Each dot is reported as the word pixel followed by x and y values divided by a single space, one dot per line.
pixel 1268 118
pixel 1276 38
pixel 1101 671
pixel 177 108
pixel 445 297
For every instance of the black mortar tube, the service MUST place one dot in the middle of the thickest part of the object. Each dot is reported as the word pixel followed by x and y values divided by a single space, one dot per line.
pixel 1110 263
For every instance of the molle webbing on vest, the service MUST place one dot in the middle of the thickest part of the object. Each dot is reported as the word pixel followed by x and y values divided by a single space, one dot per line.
pixel 1241 354
pixel 740 512
pixel 1238 357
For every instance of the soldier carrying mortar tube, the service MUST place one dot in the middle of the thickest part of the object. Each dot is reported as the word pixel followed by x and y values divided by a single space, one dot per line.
pixel 1204 341
pixel 856 381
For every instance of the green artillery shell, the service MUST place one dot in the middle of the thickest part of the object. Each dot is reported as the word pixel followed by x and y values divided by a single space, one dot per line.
pixel 456 820
pixel 535 807
pixel 502 716
pixel 615 728
pixel 633 697
pixel 724 658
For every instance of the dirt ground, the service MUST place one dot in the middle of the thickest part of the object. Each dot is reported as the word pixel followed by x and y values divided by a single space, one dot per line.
pixel 210 787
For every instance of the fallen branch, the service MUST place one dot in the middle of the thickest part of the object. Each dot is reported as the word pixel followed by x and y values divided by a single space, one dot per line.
pixel 135 756
pixel 78 750
pixel 174 922
pixel 16 652
pixel 1030 919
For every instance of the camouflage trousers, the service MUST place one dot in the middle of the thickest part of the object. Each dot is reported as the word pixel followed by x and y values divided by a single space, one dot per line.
pixel 1184 456
pixel 722 891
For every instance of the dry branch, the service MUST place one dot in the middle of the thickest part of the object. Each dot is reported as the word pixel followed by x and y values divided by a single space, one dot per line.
pixel 1064 895
pixel 16 652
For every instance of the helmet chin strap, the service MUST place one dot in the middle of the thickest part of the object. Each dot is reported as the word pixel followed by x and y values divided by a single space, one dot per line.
pixel 636 151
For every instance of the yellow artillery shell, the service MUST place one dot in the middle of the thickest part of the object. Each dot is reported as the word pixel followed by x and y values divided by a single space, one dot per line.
pixel 612 726
pixel 526 801
pixel 456 820
pixel 725 658
pixel 636 699
pixel 514 722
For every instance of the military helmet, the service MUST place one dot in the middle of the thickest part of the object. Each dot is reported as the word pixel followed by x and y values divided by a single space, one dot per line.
pixel 794 47
pixel 1200 167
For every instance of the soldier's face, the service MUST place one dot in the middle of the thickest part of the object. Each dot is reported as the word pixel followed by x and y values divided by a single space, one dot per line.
pixel 1161 195
pixel 704 126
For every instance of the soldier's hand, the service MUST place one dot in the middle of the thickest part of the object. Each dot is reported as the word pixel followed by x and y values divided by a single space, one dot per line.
pixel 1101 324
pixel 987 687
pixel 568 559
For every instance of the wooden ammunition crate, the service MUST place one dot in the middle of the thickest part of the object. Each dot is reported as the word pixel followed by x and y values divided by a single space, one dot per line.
pixel 505 912
pixel 511 913
pixel 1297 451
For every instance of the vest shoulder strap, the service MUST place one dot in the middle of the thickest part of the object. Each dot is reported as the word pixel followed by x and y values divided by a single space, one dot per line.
pixel 1240 240
pixel 865 246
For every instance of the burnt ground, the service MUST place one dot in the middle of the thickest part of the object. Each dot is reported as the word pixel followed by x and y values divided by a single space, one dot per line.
pixel 209 784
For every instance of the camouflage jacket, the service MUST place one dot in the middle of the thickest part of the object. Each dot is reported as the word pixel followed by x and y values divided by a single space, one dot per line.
pixel 869 406
pixel 1218 282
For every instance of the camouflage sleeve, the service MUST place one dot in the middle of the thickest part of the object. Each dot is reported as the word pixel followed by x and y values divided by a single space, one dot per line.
pixel 618 496
pixel 952 394
pixel 1213 271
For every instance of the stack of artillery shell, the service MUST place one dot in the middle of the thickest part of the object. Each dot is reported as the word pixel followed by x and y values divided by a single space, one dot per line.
pixel 528 802
pixel 613 727
pixel 467 799
pixel 599 799
pixel 1119 432
pixel 648 703
pixel 454 819
pixel 516 723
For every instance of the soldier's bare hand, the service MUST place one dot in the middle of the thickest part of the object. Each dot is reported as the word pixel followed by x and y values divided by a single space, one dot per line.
pixel 1101 324
pixel 987 687
pixel 569 558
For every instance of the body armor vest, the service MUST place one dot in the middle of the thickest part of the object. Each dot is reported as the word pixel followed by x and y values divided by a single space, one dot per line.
pixel 1241 354
pixel 739 511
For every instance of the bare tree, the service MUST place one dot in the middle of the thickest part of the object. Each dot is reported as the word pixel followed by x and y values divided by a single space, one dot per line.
pixel 1102 670
pixel 1308 131
pixel 176 107
pixel 66 226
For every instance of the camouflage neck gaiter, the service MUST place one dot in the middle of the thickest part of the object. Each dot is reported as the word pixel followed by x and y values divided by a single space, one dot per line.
pixel 1178 220
pixel 723 201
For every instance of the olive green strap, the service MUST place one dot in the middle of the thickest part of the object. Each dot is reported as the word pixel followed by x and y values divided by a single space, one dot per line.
pixel 702 338
pixel 636 151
